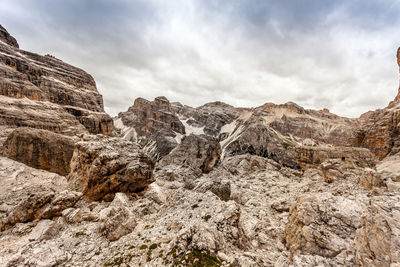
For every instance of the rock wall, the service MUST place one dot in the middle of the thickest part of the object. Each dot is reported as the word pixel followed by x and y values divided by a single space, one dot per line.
pixel 149 117
pixel 311 157
pixel 62 98
pixel 379 130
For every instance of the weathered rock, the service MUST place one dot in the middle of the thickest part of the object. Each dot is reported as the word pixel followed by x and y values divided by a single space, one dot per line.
pixel 117 220
pixel 197 154
pixel 40 149
pixel 150 117
pixel 210 117
pixel 308 157
pixel 322 224
pixel 377 241
pixel 28 194
pixel 102 166
pixel 260 140
pixel 7 38
pixel 44 92
pixel 153 125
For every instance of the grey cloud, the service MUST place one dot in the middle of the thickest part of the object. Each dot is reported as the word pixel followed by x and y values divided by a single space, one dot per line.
pixel 335 54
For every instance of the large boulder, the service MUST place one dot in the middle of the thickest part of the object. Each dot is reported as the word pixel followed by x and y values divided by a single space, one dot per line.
pixel 29 194
pixel 40 149
pixel 377 241
pixel 117 220
pixel 103 166
pixel 322 224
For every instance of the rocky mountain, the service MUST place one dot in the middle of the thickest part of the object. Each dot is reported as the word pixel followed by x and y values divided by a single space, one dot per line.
pixel 379 130
pixel 215 185
pixel 271 131
pixel 43 92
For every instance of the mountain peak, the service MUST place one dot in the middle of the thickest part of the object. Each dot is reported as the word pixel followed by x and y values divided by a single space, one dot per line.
pixel 7 38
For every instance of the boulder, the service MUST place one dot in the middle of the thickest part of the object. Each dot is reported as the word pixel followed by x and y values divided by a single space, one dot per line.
pixel 322 224
pixel 103 166
pixel 117 220
pixel 40 149
pixel 377 240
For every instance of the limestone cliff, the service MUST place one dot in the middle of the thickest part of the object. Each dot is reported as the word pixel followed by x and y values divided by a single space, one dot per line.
pixel 379 130
pixel 44 92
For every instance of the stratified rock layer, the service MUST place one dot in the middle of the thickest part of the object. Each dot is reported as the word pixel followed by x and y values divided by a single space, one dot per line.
pixel 40 149
pixel 308 157
pixel 7 38
pixel 149 117
pixel 62 98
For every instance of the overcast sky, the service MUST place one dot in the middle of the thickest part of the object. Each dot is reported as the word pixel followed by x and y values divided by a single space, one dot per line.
pixel 337 54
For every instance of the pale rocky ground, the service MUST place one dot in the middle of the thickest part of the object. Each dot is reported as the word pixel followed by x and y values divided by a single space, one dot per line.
pixel 249 211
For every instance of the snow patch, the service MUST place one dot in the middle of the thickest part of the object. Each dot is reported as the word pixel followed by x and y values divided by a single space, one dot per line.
pixel 128 133
pixel 191 129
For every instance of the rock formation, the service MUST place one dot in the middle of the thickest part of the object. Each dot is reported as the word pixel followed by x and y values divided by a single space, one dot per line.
pixel 378 130
pixel 44 92
pixel 308 157
pixel 40 149
pixel 101 167
pixel 7 38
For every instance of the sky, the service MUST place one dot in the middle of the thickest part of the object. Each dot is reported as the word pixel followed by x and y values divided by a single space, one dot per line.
pixel 337 54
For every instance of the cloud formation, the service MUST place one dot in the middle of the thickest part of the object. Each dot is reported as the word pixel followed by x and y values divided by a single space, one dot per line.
pixel 334 54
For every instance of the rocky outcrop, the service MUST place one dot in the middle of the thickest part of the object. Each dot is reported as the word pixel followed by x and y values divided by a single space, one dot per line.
pixel 102 166
pixel 377 240
pixel 7 38
pixel 197 154
pixel 260 140
pixel 153 125
pixel 322 224
pixel 379 130
pixel 28 195
pixel 321 126
pixel 150 117
pixel 210 117
pixel 40 149
pixel 308 157
pixel 62 98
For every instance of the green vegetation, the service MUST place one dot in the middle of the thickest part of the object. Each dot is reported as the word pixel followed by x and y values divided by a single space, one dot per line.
pixel 144 246
pixel 286 145
pixel 193 258
pixel 153 246
pixel 78 234
pixel 207 217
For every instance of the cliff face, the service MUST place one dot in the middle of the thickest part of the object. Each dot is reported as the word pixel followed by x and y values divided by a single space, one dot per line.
pixel 379 130
pixel 271 131
pixel 44 92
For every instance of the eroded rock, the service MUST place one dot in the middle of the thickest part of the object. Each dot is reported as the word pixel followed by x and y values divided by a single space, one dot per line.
pixel 103 166
pixel 40 149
